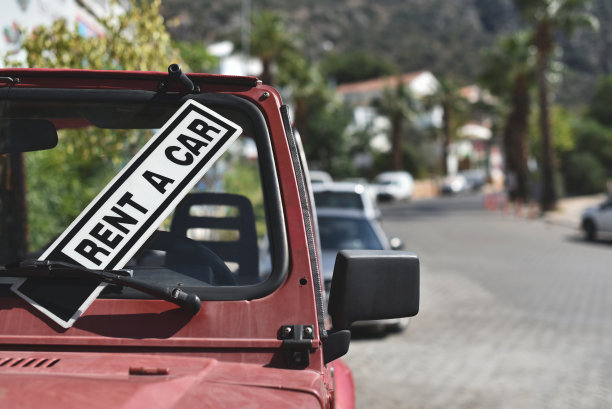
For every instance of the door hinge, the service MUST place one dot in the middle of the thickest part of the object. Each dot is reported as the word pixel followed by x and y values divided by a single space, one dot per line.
pixel 297 342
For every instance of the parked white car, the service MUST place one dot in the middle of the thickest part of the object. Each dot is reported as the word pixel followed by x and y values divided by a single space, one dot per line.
pixel 597 220
pixel 454 184
pixel 319 176
pixel 346 195
pixel 394 185
pixel 350 229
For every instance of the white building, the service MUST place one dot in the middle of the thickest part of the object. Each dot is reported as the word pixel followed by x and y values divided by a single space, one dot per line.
pixel 233 63
pixel 361 95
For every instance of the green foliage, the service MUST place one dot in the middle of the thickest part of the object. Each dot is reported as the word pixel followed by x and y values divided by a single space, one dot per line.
pixel 414 159
pixel 196 56
pixel 584 174
pixel 275 46
pixel 561 126
pixel 399 105
pixel 319 118
pixel 328 146
pixel 134 40
pixel 62 182
pixel 455 112
pixel 596 139
pixel 86 159
pixel 244 179
pixel 356 66
pixel 601 105
pixel 511 56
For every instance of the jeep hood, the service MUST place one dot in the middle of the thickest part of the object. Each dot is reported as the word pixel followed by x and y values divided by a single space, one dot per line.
pixel 110 380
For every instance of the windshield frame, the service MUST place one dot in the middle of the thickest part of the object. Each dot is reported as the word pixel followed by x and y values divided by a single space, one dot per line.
pixel 257 124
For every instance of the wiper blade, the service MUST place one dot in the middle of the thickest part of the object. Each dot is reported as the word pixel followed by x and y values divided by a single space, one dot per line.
pixel 45 269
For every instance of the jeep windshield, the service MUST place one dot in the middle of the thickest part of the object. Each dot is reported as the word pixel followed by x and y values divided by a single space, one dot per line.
pixel 224 240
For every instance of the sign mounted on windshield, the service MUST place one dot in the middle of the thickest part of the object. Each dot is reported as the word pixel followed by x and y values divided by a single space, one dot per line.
pixel 110 230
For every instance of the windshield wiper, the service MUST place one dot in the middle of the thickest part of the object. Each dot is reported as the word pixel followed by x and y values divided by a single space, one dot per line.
pixel 47 269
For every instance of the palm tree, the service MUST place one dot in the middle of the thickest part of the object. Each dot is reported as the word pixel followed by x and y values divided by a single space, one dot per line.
pixel 272 43
pixel 546 17
pixel 508 72
pixel 454 107
pixel 398 105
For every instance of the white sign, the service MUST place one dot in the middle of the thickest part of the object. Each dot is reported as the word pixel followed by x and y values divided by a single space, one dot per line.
pixel 107 234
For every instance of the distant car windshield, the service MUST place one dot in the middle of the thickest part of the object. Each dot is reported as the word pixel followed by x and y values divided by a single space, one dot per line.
pixel 333 199
pixel 344 233
pixel 221 234
pixel 387 182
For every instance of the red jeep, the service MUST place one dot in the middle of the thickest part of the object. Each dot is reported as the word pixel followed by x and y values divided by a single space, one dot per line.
pixel 160 249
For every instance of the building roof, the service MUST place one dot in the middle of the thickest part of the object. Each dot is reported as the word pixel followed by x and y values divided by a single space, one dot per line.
pixel 377 84
pixel 420 83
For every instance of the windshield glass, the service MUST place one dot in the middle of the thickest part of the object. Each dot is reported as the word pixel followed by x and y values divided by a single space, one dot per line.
pixel 217 236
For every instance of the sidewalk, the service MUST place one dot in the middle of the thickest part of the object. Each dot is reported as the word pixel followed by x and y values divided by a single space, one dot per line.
pixel 569 210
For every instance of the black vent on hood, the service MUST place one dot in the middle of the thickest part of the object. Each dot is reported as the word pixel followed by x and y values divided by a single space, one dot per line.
pixel 6 363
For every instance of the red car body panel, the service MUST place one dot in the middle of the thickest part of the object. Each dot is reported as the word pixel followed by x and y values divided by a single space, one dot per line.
pixel 128 380
pixel 228 355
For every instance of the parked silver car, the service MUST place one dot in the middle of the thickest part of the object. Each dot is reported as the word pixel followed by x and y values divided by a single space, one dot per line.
pixel 346 229
pixel 346 195
pixel 597 221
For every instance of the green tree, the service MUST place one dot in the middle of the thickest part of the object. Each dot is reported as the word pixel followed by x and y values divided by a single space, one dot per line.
pixel 318 116
pixel 508 73
pixel 272 43
pixel 133 40
pixel 356 66
pixel 328 145
pixel 399 106
pixel 547 17
pixel 563 145
pixel 587 165
pixel 594 138
pixel 196 56
pixel 454 109
pixel 601 105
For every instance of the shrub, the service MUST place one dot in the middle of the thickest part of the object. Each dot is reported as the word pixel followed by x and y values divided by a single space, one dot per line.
pixel 584 174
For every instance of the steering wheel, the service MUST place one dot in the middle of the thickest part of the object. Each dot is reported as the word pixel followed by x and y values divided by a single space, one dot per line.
pixel 183 252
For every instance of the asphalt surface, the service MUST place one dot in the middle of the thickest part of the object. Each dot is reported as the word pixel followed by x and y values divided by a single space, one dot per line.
pixel 515 313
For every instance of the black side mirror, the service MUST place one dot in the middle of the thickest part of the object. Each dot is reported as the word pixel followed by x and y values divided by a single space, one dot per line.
pixel 26 135
pixel 372 285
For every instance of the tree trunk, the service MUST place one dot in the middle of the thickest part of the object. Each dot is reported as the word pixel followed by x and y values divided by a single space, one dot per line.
pixel 266 72
pixel 447 137
pixel 515 139
pixel 543 42
pixel 396 136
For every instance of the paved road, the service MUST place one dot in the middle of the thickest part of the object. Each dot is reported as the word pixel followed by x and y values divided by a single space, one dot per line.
pixel 515 313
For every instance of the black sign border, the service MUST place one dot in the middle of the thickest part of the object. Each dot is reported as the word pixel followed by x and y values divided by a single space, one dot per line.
pixel 57 254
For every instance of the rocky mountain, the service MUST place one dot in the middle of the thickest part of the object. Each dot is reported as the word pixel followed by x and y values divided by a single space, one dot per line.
pixel 446 37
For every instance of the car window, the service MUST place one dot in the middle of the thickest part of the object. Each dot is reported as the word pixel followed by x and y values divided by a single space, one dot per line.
pixel 348 200
pixel 338 233
pixel 217 236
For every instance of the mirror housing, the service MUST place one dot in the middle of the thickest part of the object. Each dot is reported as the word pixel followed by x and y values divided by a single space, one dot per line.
pixel 372 285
